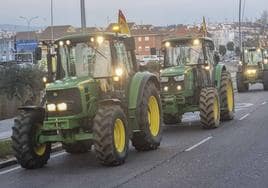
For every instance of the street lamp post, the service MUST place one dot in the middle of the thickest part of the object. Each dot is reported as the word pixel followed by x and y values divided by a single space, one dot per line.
pixel 29 20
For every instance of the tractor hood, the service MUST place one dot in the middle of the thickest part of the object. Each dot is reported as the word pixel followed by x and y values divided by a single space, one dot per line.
pixel 174 71
pixel 66 83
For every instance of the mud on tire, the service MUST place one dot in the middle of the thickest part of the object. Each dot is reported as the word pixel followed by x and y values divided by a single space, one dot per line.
pixel 144 140
pixel 23 140
pixel 209 112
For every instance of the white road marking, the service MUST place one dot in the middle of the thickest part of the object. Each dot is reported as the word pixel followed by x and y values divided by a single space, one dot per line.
pixel 18 167
pixel 244 117
pixel 198 144
pixel 264 103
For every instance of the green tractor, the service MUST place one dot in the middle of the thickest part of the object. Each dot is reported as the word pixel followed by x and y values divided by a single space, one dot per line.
pixel 98 98
pixel 253 68
pixel 193 80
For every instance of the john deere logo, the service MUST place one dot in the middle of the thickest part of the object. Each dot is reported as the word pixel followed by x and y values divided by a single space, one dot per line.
pixel 55 94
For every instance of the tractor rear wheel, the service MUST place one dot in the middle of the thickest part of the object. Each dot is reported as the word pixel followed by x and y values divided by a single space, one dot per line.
pixel 227 97
pixel 170 119
pixel 149 119
pixel 209 108
pixel 29 153
pixel 78 147
pixel 111 136
pixel 265 80
pixel 241 86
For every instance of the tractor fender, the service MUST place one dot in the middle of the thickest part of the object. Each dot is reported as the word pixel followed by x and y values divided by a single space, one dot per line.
pixel 110 101
pixel 38 110
pixel 218 71
pixel 135 92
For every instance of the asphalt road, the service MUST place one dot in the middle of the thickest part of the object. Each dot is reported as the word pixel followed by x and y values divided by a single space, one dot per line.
pixel 234 155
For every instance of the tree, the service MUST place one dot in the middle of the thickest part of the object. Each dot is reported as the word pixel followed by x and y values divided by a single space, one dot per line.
pixel 222 50
pixel 230 46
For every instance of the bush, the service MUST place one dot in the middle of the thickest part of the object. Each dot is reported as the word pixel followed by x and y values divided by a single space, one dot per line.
pixel 23 82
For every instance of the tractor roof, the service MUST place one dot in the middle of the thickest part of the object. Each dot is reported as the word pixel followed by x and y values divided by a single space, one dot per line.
pixel 85 36
pixel 177 39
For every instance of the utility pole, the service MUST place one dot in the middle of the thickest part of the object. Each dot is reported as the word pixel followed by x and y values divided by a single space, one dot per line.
pixel 52 21
pixel 83 16
pixel 29 20
pixel 240 34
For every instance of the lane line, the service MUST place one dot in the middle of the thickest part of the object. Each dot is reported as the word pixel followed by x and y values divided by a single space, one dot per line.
pixel 199 143
pixel 244 117
pixel 264 103
pixel 18 167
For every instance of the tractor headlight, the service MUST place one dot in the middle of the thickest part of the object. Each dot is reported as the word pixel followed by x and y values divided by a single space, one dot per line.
pixel 166 88
pixel 45 79
pixel 62 106
pixel 163 79
pixel 179 78
pixel 179 87
pixel 251 71
pixel 51 107
pixel 240 63
pixel 119 72
pixel 265 61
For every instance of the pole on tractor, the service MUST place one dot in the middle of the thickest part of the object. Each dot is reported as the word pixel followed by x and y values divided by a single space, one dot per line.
pixel 239 26
pixel 83 16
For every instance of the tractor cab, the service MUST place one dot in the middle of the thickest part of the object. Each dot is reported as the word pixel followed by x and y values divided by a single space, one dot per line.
pixel 189 55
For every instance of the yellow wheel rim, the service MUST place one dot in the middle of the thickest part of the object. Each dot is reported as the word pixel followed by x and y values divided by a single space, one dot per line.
pixel 216 109
pixel 230 97
pixel 39 149
pixel 153 116
pixel 119 135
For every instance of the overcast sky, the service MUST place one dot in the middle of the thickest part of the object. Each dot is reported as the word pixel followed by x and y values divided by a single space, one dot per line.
pixel 157 12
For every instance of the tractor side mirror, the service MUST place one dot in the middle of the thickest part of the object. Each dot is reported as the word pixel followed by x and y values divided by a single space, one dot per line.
pixel 130 43
pixel 216 57
pixel 38 53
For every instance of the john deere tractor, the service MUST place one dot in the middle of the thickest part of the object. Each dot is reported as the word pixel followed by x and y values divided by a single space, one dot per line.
pixel 253 68
pixel 98 98
pixel 193 80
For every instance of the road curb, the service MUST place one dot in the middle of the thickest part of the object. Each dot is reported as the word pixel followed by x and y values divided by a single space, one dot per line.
pixel 13 160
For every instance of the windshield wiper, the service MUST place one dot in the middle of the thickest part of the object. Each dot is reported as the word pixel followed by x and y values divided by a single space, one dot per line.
pixel 99 52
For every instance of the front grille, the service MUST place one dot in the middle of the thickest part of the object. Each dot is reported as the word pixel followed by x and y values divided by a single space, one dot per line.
pixel 70 96
pixel 172 85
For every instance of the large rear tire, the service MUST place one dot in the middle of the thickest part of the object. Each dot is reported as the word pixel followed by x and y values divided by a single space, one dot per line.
pixel 241 86
pixel 209 108
pixel 111 136
pixel 150 118
pixel 28 152
pixel 265 80
pixel 227 97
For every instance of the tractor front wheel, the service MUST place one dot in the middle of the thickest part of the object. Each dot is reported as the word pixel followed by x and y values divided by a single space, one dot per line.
pixel 227 97
pixel 209 108
pixel 265 80
pixel 29 153
pixel 111 136
pixel 241 86
pixel 149 112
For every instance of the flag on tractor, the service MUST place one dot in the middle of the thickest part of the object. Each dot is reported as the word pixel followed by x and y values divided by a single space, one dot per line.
pixel 123 23
pixel 204 27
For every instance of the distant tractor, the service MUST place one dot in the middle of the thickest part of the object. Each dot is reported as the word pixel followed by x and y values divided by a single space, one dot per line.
pixel 193 80
pixel 98 98
pixel 253 68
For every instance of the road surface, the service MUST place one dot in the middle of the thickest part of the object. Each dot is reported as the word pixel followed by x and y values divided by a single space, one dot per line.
pixel 234 155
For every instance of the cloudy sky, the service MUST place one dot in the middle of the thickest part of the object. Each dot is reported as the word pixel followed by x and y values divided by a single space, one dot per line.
pixel 99 12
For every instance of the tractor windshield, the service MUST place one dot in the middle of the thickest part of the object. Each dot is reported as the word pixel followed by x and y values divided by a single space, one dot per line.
pixel 253 57
pixel 84 59
pixel 184 54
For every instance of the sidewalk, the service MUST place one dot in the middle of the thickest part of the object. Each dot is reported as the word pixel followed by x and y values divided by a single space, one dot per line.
pixel 5 128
